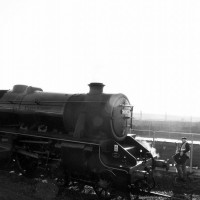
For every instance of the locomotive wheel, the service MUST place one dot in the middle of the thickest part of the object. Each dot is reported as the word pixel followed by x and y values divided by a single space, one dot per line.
pixel 6 162
pixel 145 185
pixel 103 189
pixel 60 176
pixel 110 193
pixel 119 195
pixel 26 165
pixel 142 186
pixel 150 181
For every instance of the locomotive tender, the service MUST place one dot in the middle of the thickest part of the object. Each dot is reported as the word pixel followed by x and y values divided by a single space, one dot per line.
pixel 86 138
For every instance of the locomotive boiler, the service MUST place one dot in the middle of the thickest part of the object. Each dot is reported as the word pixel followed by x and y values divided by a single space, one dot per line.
pixel 84 138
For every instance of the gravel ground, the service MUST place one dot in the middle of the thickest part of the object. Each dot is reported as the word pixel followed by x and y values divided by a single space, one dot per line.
pixel 13 186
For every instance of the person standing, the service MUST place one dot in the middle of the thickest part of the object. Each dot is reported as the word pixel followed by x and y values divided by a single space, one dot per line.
pixel 183 154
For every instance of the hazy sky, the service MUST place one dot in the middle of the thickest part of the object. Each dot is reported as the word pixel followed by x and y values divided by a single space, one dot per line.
pixel 148 50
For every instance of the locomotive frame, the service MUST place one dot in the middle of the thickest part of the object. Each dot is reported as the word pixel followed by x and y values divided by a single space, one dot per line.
pixel 84 138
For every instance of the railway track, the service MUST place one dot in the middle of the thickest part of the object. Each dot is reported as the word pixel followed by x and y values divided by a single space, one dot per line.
pixel 13 186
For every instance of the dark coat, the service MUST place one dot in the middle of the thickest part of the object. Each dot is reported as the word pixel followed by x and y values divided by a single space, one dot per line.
pixel 182 159
pixel 187 147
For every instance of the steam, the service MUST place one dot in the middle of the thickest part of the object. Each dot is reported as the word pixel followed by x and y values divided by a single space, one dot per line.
pixel 151 149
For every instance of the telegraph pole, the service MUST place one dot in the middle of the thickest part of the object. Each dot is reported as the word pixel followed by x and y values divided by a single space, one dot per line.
pixel 191 152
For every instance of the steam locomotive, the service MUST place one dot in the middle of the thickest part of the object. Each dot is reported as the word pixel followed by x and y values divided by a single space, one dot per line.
pixel 84 138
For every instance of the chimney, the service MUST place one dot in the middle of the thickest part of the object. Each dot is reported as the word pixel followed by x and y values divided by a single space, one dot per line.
pixel 96 88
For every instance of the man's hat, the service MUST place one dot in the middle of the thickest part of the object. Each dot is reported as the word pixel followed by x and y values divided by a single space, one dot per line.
pixel 184 138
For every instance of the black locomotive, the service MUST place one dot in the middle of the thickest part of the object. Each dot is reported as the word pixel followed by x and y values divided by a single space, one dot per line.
pixel 85 138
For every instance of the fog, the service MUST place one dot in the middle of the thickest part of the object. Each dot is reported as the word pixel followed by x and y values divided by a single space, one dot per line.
pixel 148 50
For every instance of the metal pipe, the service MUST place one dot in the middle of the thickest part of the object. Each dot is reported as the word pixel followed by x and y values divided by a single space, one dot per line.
pixel 34 142
pixel 33 155
pixel 191 155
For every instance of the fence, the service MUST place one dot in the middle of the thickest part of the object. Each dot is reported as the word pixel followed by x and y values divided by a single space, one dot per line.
pixel 172 137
